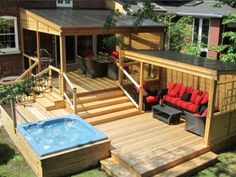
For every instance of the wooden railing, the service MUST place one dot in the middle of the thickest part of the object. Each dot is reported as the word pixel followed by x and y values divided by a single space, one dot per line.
pixel 226 98
pixel 28 73
pixel 70 90
pixel 127 88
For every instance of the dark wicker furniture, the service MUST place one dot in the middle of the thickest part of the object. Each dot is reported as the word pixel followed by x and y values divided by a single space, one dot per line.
pixel 195 123
pixel 95 68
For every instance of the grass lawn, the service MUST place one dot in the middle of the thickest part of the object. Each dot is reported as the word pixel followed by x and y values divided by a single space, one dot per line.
pixel 12 163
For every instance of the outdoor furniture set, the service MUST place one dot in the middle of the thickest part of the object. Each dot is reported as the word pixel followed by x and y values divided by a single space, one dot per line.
pixel 96 66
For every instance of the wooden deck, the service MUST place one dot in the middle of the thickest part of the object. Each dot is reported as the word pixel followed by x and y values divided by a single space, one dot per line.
pixel 146 146
pixel 85 84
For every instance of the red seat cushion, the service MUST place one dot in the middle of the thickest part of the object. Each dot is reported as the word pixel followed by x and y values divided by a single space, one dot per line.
pixel 170 99
pixel 115 54
pixel 152 99
pixel 189 90
pixel 204 113
pixel 192 107
pixel 180 102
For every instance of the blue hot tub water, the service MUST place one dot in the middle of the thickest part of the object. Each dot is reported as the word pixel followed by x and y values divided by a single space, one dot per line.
pixel 54 135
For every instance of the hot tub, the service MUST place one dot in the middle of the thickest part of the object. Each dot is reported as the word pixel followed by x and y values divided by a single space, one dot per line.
pixel 54 135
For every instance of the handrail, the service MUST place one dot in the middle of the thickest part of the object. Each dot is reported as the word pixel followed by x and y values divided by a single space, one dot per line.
pixel 42 72
pixel 27 71
pixel 54 68
pixel 30 57
pixel 132 63
pixel 68 81
pixel 68 99
pixel 129 76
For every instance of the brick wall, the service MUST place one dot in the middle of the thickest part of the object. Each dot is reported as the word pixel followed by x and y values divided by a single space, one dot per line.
pixel 214 36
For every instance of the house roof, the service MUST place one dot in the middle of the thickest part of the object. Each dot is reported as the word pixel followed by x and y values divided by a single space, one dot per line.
pixel 75 18
pixel 216 65
pixel 201 8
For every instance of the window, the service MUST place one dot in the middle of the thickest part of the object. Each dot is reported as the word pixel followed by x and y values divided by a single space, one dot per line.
pixel 9 35
pixel 64 3
pixel 200 31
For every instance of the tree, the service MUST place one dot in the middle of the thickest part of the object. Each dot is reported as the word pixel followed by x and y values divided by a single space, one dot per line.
pixel 231 3
pixel 228 51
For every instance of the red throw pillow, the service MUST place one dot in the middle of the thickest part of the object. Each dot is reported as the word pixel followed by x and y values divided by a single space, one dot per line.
pixel 88 53
pixel 175 92
pixel 205 96
pixel 197 100
pixel 171 86
pixel 182 91
pixel 194 94
pixel 152 99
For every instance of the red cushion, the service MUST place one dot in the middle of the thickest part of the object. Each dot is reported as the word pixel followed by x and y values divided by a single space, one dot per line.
pixel 152 99
pixel 182 91
pixel 180 102
pixel 197 100
pixel 205 96
pixel 171 86
pixel 194 94
pixel 145 85
pixel 170 99
pixel 175 91
pixel 115 54
pixel 192 107
pixel 196 114
pixel 184 105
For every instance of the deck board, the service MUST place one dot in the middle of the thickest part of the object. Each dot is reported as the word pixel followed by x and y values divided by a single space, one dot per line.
pixel 148 145
pixel 85 84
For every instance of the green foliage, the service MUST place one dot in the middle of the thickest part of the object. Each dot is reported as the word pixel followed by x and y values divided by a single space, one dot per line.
pixel 178 33
pixel 111 20
pixel 18 90
pixel 111 41
pixel 220 3
pixel 193 49
pixel 228 51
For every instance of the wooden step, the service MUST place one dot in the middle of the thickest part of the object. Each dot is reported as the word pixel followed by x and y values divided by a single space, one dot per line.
pixel 49 104
pixel 192 166
pixel 149 167
pixel 102 103
pixel 100 96
pixel 113 116
pixel 114 169
pixel 106 110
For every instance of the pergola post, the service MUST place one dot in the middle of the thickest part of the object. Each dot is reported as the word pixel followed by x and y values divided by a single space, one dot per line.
pixel 23 47
pixel 141 86
pixel 38 51
pixel 210 113
pixel 121 59
pixel 62 63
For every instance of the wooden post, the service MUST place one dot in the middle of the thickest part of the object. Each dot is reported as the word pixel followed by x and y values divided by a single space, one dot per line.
pixel 38 51
pixel 141 86
pixel 23 47
pixel 13 114
pixel 63 63
pixel 75 100
pixel 210 113
pixel 121 60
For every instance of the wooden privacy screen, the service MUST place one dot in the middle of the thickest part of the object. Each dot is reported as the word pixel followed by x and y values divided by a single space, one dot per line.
pixel 169 75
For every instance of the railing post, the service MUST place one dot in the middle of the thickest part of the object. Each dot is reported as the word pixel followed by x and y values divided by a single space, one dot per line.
pixel 75 100
pixel 13 114
pixel 141 87
pixel 50 79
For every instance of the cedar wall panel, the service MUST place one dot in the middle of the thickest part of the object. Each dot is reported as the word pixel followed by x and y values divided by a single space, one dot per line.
pixel 144 41
pixel 168 75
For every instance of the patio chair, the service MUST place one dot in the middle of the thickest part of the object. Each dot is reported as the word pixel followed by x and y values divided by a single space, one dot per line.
pixel 81 65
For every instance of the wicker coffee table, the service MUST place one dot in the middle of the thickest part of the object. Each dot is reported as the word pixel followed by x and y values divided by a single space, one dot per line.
pixel 167 114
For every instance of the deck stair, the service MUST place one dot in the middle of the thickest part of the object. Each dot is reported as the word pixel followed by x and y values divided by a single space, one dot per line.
pixel 184 167
pixel 51 101
pixel 107 106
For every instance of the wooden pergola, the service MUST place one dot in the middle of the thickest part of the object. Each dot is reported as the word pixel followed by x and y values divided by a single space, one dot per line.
pixel 71 22
pixel 213 74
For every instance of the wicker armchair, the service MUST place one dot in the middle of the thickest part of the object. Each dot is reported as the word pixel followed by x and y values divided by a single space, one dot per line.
pixel 195 123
